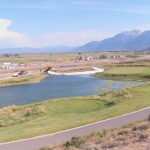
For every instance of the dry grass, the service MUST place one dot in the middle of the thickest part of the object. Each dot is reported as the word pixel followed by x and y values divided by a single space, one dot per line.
pixel 131 137
pixel 23 80
pixel 13 115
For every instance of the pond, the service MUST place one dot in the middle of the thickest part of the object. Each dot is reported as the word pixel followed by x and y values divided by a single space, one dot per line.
pixel 58 87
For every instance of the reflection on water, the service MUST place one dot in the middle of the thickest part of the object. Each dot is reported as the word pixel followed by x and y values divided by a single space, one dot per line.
pixel 57 87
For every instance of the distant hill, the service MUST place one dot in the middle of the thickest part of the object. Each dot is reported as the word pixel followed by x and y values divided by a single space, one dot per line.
pixel 125 41
pixel 51 49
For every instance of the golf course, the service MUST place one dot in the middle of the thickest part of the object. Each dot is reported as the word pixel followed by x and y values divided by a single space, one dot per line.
pixel 18 122
pixel 127 73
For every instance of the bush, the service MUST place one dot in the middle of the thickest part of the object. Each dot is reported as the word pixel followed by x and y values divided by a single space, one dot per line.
pixel 120 139
pixel 143 127
pixel 101 133
pixel 149 118
pixel 75 142
pixel 109 145
pixel 134 128
pixel 111 103
pixel 142 137
pixel 45 148
pixel 123 132
pixel 67 144
pixel 92 148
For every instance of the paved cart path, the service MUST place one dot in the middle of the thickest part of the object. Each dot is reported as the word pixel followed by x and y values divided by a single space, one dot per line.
pixel 60 137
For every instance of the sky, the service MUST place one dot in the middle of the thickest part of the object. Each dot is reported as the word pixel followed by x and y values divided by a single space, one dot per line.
pixel 44 23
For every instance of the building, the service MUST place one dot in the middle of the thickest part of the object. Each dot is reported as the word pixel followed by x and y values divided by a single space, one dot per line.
pixel 103 57
pixel 9 65
pixel 84 58
pixel 115 57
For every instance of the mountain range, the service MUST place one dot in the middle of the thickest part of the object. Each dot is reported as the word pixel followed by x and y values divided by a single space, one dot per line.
pixel 51 49
pixel 125 41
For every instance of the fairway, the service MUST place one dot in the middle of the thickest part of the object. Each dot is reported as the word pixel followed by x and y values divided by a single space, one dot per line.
pixel 132 73
pixel 51 116
pixel 129 70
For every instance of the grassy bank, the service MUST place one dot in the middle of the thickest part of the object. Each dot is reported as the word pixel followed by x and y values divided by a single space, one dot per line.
pixel 133 73
pixel 23 80
pixel 60 114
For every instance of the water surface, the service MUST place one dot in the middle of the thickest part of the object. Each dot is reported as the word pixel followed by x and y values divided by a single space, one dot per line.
pixel 58 87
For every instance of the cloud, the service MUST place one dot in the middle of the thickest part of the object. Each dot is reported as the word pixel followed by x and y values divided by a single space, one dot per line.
pixel 74 38
pixel 140 27
pixel 11 38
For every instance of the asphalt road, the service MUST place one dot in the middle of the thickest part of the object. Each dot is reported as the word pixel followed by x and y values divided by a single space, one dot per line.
pixel 61 137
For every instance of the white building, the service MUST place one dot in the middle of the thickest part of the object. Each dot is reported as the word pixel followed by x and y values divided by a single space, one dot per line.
pixel 8 65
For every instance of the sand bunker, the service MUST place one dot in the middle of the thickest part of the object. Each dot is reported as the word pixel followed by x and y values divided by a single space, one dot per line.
pixel 95 70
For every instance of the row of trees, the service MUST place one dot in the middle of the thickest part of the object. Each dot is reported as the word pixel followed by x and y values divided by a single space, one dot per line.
pixel 10 55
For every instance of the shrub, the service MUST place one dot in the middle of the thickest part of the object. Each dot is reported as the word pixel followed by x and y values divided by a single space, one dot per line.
pixel 46 148
pixel 111 103
pixel 149 118
pixel 143 127
pixel 134 128
pixel 67 144
pixel 75 142
pixel 92 148
pixel 120 139
pixel 123 132
pixel 103 133
pixel 109 145
pixel 142 137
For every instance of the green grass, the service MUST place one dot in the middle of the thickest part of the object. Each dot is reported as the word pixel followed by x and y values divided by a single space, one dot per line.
pixel 126 73
pixel 23 80
pixel 61 114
